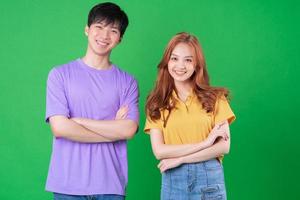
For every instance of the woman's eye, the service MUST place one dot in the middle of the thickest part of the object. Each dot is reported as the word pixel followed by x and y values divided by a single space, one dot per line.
pixel 173 58
pixel 189 60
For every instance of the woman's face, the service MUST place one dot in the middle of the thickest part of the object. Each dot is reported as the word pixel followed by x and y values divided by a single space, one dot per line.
pixel 181 65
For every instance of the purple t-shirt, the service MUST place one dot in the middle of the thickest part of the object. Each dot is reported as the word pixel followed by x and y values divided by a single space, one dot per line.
pixel 77 90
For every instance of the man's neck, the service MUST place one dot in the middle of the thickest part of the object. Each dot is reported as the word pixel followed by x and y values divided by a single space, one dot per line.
pixel 96 61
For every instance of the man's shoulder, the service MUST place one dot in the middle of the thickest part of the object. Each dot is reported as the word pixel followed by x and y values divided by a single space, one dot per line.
pixel 64 68
pixel 124 75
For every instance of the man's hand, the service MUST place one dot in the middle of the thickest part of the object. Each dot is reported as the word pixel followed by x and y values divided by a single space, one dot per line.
pixel 122 113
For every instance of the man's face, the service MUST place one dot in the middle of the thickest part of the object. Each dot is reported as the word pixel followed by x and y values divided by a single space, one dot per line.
pixel 102 37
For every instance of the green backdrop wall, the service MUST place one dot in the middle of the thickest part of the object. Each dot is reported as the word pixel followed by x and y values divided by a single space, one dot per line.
pixel 251 47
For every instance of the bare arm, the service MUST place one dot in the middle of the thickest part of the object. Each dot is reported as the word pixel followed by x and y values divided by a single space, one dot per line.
pixel 63 127
pixel 163 151
pixel 219 148
pixel 119 129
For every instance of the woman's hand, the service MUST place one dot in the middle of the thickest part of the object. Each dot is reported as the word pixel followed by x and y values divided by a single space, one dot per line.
pixel 122 113
pixel 169 163
pixel 217 132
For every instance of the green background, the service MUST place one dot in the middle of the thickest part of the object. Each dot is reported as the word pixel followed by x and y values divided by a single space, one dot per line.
pixel 251 47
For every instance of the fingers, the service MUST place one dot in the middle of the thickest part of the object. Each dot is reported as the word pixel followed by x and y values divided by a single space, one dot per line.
pixel 159 166
pixel 122 112
pixel 221 124
pixel 162 166
pixel 163 169
pixel 220 133
pixel 123 109
pixel 224 135
pixel 217 132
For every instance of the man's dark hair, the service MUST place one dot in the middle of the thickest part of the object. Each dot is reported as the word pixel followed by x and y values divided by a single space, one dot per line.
pixel 109 13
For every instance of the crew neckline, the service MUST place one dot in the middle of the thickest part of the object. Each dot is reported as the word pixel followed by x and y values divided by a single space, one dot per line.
pixel 87 67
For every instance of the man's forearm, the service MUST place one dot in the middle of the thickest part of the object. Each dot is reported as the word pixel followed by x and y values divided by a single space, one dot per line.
pixel 112 129
pixel 63 127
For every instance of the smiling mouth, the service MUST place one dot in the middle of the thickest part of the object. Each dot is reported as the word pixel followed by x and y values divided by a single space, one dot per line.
pixel 179 72
pixel 101 43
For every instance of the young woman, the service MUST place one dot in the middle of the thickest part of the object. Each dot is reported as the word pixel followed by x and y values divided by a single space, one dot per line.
pixel 188 122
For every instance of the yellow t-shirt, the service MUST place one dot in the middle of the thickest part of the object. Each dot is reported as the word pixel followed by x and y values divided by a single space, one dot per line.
pixel 188 122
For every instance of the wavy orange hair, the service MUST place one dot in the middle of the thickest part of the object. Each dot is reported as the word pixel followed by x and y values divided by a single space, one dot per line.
pixel 161 98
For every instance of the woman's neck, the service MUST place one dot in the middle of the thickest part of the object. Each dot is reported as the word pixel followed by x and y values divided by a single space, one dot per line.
pixel 183 90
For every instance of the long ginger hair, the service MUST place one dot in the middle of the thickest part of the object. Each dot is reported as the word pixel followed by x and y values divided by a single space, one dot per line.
pixel 161 98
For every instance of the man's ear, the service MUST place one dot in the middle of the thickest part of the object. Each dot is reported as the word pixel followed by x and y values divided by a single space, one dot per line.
pixel 86 30
pixel 120 40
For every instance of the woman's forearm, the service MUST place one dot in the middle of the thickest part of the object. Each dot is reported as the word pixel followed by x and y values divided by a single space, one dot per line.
pixel 219 148
pixel 163 151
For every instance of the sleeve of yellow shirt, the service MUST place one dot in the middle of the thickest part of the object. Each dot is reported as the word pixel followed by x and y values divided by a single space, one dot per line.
pixel 152 124
pixel 223 111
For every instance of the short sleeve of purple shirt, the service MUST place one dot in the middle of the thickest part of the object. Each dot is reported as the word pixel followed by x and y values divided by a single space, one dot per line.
pixel 130 98
pixel 56 102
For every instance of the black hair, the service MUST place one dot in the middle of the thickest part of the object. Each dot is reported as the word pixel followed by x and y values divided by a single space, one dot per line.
pixel 109 13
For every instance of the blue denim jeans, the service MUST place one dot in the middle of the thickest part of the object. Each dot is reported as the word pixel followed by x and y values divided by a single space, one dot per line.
pixel 58 196
pixel 196 181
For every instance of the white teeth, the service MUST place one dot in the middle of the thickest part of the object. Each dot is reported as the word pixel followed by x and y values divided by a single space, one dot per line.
pixel 180 72
pixel 101 43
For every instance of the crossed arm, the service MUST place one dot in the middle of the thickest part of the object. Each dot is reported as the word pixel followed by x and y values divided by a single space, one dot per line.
pixel 94 131
pixel 216 144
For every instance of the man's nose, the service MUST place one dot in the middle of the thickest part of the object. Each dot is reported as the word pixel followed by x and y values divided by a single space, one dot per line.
pixel 105 33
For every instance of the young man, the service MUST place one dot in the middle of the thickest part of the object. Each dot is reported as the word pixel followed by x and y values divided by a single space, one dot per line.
pixel 92 107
